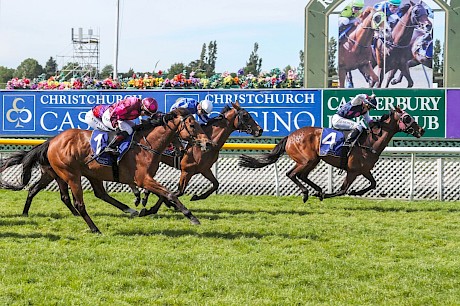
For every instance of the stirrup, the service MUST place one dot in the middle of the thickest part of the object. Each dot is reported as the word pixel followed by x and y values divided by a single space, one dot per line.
pixel 110 150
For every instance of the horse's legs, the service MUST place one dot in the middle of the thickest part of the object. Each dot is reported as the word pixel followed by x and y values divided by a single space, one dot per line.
pixel 137 194
pixel 406 73
pixel 145 212
pixel 373 184
pixel 292 174
pixel 215 185
pixel 155 187
pixel 391 76
pixel 349 179
pixel 145 199
pixel 44 181
pixel 77 192
pixel 64 191
pixel 101 193
pixel 304 177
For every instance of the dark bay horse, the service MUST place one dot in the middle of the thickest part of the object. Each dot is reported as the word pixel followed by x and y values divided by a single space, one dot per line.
pixel 218 130
pixel 399 54
pixel 69 155
pixel 303 145
pixel 355 51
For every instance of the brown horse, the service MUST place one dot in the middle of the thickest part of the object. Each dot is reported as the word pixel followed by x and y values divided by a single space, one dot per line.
pixel 70 157
pixel 399 54
pixel 218 130
pixel 303 145
pixel 355 51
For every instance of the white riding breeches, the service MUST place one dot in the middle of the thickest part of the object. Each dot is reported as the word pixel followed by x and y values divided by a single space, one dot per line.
pixel 95 122
pixel 126 125
pixel 341 123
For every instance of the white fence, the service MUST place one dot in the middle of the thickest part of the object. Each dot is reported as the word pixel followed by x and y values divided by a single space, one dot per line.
pixel 401 173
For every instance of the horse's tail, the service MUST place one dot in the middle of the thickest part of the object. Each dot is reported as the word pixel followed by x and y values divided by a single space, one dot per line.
pixel 28 159
pixel 264 159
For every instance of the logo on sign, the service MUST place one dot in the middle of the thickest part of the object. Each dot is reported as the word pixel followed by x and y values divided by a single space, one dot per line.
pixel 18 113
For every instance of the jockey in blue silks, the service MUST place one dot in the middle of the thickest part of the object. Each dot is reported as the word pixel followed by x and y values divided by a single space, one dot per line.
pixel 360 105
pixel 202 108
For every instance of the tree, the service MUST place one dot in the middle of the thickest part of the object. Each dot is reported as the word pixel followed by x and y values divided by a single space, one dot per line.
pixel 300 69
pixel 331 58
pixel 106 71
pixel 29 68
pixel 50 68
pixel 6 74
pixel 211 59
pixel 437 65
pixel 175 69
pixel 254 64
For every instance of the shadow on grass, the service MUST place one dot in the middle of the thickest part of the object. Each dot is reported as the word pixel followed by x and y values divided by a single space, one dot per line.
pixel 399 209
pixel 214 234
pixel 6 222
pixel 50 237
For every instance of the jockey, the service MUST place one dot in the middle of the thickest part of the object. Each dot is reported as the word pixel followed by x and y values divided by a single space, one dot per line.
pixel 350 13
pixel 391 10
pixel 358 106
pixel 202 108
pixel 118 117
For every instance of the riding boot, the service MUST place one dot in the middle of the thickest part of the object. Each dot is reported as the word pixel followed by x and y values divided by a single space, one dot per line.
pixel 113 146
pixel 352 138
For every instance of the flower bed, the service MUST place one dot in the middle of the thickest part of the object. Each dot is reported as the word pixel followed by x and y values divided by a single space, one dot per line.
pixel 273 79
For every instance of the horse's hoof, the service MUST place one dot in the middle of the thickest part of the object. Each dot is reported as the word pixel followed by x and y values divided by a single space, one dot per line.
pixel 134 214
pixel 320 195
pixel 305 198
pixel 194 220
pixel 194 198
pixel 136 202
pixel 143 212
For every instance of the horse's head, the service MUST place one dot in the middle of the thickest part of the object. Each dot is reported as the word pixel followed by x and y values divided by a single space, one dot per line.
pixel 406 123
pixel 188 128
pixel 244 122
pixel 419 16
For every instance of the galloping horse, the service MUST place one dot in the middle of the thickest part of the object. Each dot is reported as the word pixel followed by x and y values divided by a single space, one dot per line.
pixel 70 156
pixel 355 52
pixel 303 146
pixel 399 54
pixel 218 130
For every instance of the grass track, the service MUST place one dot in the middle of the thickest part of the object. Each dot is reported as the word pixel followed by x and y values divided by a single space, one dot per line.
pixel 249 250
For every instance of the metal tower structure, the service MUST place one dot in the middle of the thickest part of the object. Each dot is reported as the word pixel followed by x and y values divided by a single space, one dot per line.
pixel 85 59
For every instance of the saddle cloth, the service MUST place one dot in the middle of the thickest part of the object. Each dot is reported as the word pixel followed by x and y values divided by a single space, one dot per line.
pixel 332 142
pixel 100 139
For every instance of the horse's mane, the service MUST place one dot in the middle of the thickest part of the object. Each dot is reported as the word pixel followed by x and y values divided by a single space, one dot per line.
pixel 404 8
pixel 219 117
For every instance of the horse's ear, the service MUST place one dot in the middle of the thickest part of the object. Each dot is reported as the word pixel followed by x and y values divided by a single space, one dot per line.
pixel 236 105
pixel 412 3
pixel 169 116
pixel 398 109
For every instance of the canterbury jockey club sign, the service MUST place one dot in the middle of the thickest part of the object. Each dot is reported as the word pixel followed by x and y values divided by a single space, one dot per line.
pixel 278 112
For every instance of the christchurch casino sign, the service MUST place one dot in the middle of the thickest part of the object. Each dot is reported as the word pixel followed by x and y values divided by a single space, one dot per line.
pixel 36 113
pixel 317 35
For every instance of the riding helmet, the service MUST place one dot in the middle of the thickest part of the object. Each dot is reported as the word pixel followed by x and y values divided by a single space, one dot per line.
pixel 395 2
pixel 150 105
pixel 357 3
pixel 206 106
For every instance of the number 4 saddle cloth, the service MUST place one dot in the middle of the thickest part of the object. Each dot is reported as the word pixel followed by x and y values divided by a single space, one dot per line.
pixel 332 142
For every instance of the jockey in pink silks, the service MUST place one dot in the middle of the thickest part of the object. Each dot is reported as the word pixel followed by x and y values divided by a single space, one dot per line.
pixel 119 117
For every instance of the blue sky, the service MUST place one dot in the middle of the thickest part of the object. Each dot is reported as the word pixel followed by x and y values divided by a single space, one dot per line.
pixel 154 31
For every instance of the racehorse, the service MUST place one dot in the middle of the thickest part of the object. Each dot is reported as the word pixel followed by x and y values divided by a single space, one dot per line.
pixel 355 50
pixel 418 38
pixel 70 157
pixel 218 130
pixel 399 53
pixel 303 146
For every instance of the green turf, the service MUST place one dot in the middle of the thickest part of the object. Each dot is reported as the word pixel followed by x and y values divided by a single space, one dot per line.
pixel 249 250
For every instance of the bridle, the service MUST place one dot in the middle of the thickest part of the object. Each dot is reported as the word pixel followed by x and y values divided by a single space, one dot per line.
pixel 243 125
pixel 183 126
